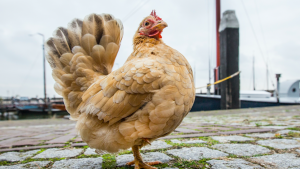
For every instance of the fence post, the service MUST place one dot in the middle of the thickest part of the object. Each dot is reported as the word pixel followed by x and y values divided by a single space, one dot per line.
pixel 229 58
pixel 278 87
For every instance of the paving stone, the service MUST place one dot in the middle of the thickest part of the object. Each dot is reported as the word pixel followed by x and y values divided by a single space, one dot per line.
pixel 86 163
pixel 42 135
pixel 58 153
pixel 4 137
pixel 4 146
pixel 196 153
pixel 277 127
pixel 287 131
pixel 62 139
pixel 188 141
pixel 262 135
pixel 175 141
pixel 199 129
pixel 78 144
pixel 26 142
pixel 278 161
pixel 48 137
pixel 242 149
pixel 147 157
pixel 225 139
pixel 17 156
pixel 12 167
pixel 260 123
pixel 246 131
pixel 78 139
pixel 90 151
pixel 233 164
pixel 194 141
pixel 280 143
pixel 186 130
pixel 32 165
pixel 189 135
pixel 156 145
pixel 225 125
pixel 8 142
pixel 246 127
pixel 221 128
pixel 32 147
pixel 63 129
pixel 208 131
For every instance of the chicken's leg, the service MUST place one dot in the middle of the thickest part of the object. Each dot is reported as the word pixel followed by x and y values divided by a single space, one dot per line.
pixel 138 161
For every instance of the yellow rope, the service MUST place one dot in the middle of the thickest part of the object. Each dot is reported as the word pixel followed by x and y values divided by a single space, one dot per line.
pixel 222 80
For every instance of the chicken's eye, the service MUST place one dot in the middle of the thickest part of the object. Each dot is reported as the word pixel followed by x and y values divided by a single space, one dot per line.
pixel 147 23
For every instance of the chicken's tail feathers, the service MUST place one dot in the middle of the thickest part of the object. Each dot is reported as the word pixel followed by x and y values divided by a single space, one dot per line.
pixel 82 53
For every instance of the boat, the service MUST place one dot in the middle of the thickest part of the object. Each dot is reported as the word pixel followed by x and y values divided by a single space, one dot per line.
pixel 55 106
pixel 289 94
pixel 27 107
pixel 59 105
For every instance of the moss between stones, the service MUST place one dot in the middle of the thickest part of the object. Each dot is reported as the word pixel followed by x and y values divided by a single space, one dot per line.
pixel 209 140
pixel 4 163
pixel 293 134
pixel 294 128
pixel 125 152
pixel 201 164
pixel 109 161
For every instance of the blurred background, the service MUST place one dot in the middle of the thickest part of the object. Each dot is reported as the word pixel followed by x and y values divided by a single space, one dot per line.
pixel 269 32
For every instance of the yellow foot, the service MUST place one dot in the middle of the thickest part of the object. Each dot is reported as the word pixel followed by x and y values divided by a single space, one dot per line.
pixel 146 165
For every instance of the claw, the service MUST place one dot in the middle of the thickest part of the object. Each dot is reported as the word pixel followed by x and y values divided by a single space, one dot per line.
pixel 146 140
pixel 130 163
pixel 153 162
pixel 138 161
pixel 149 163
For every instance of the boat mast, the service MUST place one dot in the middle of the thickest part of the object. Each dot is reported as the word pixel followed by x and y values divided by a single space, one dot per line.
pixel 195 74
pixel 44 72
pixel 209 77
pixel 253 74
pixel 267 77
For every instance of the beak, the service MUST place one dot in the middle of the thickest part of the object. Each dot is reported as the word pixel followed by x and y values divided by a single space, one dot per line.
pixel 161 25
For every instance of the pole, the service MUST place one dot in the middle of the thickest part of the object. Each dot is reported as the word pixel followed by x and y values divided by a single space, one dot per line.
pixel 229 57
pixel 278 86
pixel 44 66
pixel 253 75
pixel 44 70
pixel 209 75
pixel 218 18
pixel 216 70
pixel 208 85
pixel 267 78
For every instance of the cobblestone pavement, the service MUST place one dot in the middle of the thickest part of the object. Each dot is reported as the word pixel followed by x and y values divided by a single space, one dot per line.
pixel 243 138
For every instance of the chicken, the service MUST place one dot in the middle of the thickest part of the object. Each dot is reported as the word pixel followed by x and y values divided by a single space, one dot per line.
pixel 143 100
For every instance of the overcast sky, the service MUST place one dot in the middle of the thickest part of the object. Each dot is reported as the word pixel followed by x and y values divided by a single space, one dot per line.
pixel 269 30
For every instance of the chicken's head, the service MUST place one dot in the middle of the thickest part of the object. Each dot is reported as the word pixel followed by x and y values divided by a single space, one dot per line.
pixel 152 26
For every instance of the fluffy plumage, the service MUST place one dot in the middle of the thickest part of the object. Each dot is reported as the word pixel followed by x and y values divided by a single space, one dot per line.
pixel 145 98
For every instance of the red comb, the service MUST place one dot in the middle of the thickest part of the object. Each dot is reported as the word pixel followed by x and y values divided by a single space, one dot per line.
pixel 153 13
